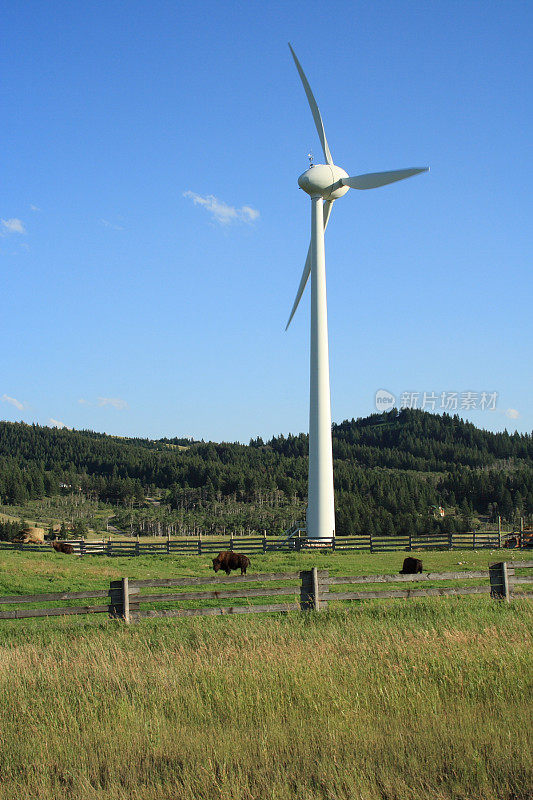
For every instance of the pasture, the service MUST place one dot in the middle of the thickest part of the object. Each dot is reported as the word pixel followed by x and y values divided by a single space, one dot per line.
pixel 382 700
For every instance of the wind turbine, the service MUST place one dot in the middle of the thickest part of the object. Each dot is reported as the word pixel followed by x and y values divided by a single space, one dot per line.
pixel 324 183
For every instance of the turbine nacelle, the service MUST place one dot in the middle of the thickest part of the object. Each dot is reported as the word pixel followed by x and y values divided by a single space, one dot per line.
pixel 324 180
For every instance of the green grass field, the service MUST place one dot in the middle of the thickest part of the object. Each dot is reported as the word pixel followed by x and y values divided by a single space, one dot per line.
pixel 381 700
pixel 24 573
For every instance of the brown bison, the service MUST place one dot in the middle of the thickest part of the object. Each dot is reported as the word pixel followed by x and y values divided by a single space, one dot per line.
pixel 228 561
pixel 411 566
pixel 514 540
pixel 63 547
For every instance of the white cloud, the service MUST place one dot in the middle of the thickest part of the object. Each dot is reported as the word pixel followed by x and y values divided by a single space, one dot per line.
pixel 55 423
pixel 251 213
pixel 512 413
pixel 13 401
pixel 12 225
pixel 111 225
pixel 220 210
pixel 34 208
pixel 116 402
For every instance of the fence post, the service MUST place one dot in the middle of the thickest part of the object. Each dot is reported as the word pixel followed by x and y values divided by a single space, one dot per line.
pixel 371 543
pixel 314 589
pixel 82 547
pixel 499 581
pixel 168 544
pixel 333 542
pixel 264 543
pixel 116 601
pixel 137 547
pixel 499 533
pixel 231 543
pixel 306 590
pixel 199 546
pixel 125 601
pixel 109 548
pixel 322 589
pixel 311 598
pixel 473 540
pixel 316 596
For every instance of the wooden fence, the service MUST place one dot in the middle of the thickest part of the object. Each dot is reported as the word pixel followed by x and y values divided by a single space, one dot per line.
pixel 473 540
pixel 294 591
pixel 131 600
pixel 501 576
pixel 114 602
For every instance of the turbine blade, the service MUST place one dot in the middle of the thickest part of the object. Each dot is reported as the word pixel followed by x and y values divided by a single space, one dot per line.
pixel 314 109
pixel 303 283
pixel 328 205
pixel 374 179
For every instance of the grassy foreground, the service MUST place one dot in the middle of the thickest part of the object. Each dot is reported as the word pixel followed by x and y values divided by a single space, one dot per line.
pixel 386 700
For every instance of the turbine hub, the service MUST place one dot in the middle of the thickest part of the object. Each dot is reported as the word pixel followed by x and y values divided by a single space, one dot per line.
pixel 323 180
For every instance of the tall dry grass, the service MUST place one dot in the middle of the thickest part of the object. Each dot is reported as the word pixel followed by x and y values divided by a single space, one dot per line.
pixel 384 701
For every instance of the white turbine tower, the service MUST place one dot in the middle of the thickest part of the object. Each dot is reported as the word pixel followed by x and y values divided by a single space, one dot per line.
pixel 325 183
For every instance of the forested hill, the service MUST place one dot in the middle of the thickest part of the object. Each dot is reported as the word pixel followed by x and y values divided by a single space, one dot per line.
pixel 418 440
pixel 387 467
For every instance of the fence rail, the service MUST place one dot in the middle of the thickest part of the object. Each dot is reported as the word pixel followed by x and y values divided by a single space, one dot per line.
pixel 304 591
pixel 251 545
pixel 22 613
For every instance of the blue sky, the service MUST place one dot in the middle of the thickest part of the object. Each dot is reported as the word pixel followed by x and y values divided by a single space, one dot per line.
pixel 152 232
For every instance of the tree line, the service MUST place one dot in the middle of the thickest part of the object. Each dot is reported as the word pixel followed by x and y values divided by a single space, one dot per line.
pixel 390 470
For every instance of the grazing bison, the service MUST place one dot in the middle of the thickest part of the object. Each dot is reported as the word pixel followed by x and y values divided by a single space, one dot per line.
pixel 228 561
pixel 514 540
pixel 411 566
pixel 31 535
pixel 62 547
